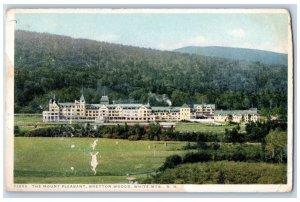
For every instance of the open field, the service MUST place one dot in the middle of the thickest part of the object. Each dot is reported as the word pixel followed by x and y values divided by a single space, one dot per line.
pixel 68 160
pixel 199 127
pixel 49 160
pixel 30 122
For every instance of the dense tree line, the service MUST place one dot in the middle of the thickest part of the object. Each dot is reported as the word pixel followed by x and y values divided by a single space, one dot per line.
pixel 255 132
pixel 136 132
pixel 50 64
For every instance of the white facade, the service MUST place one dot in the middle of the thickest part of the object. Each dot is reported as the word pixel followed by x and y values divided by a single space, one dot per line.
pixel 236 116
pixel 105 112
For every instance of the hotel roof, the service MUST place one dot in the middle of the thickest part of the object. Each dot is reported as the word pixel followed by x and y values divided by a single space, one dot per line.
pixel 235 112
pixel 213 106
pixel 165 109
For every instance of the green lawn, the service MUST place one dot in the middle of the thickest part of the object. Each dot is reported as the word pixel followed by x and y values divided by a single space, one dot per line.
pixel 28 119
pixel 30 122
pixel 49 160
pixel 198 127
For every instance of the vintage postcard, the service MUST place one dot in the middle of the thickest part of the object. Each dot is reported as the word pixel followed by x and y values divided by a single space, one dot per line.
pixel 148 100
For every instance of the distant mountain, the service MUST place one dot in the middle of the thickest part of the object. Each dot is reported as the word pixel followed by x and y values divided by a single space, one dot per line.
pixel 242 54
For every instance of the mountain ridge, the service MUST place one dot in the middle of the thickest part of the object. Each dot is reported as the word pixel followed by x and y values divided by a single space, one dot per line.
pixel 236 53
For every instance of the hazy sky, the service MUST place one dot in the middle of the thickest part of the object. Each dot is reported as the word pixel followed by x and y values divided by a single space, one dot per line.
pixel 167 31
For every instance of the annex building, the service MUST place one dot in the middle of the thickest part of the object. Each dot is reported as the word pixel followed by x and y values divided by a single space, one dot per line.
pixel 79 110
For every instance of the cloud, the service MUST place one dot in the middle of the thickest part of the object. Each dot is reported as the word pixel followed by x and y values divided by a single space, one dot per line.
pixel 240 33
pixel 282 46
pixel 108 37
pixel 199 40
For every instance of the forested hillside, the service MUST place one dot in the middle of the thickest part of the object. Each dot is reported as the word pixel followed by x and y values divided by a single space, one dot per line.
pixel 48 64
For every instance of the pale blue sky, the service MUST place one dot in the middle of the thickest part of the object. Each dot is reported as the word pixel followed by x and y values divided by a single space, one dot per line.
pixel 167 31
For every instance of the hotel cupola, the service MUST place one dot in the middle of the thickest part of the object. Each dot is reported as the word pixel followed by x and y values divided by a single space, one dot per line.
pixel 104 100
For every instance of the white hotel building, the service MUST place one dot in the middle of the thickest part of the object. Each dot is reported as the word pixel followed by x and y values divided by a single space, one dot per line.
pixel 79 110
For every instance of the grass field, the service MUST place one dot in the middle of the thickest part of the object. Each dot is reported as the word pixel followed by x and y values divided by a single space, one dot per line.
pixel 49 160
pixel 30 122
pixel 27 121
pixel 198 127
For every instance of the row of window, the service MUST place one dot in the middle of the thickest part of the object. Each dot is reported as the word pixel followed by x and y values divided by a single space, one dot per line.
pixel 70 110
pixel 51 114
pixel 132 119
pixel 204 110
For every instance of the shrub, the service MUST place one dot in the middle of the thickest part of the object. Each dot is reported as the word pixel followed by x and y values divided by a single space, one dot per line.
pixel 197 157
pixel 18 132
pixel 171 162
pixel 133 137
pixel 215 146
pixel 202 145
pixel 189 146
pixel 219 156
pixel 238 156
pixel 41 132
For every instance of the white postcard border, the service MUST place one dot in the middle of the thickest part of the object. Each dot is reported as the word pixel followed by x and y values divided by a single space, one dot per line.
pixel 9 116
